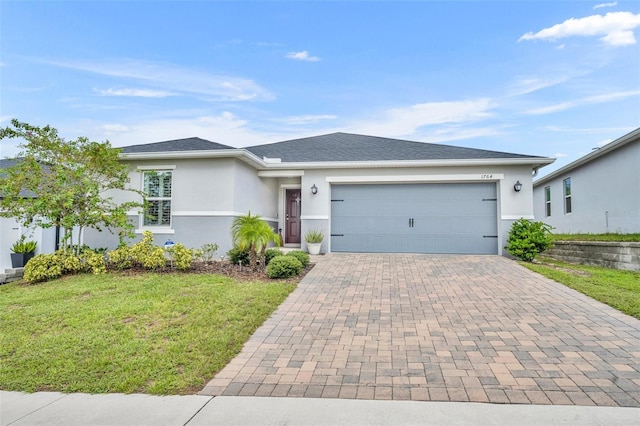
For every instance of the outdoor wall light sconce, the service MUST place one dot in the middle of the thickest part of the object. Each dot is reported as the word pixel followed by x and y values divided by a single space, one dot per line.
pixel 314 189
pixel 517 187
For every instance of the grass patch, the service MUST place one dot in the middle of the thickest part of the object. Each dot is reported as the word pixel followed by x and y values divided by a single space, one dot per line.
pixel 597 237
pixel 150 333
pixel 618 289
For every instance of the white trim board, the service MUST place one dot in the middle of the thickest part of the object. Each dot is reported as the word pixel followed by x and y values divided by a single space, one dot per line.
pixel 157 167
pixel 314 217
pixel 215 213
pixel 475 177
pixel 516 217
pixel 281 173
pixel 156 230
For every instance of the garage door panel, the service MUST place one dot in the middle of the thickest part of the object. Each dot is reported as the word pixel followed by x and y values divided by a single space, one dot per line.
pixel 447 218
pixel 368 225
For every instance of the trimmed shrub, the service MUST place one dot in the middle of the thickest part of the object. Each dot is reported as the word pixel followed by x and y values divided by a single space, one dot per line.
pixel 239 256
pixel 147 254
pixel 120 258
pixel 527 239
pixel 301 256
pixel 182 256
pixel 270 254
pixel 93 262
pixel 69 262
pixel 207 252
pixel 43 267
pixel 284 267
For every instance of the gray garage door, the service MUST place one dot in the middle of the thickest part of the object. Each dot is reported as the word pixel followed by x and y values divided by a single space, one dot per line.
pixel 415 218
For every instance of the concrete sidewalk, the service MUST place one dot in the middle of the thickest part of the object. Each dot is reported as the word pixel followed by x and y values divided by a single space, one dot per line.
pixel 53 408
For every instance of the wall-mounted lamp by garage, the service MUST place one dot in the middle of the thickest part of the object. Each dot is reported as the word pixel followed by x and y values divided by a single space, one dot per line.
pixel 314 189
pixel 517 187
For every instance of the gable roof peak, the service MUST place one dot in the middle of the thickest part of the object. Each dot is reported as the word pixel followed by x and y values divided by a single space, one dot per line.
pixel 185 144
pixel 341 146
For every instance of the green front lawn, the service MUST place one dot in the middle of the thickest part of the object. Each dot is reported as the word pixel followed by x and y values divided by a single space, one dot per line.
pixel 619 289
pixel 149 333
pixel 597 237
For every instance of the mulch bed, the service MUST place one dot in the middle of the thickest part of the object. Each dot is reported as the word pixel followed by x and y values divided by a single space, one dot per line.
pixel 221 267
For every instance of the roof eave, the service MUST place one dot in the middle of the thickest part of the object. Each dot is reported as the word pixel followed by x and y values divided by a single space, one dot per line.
pixel 536 162
pixel 241 154
pixel 612 146
pixel 258 163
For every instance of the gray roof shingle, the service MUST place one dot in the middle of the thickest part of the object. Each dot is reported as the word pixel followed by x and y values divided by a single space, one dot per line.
pixel 187 144
pixel 352 147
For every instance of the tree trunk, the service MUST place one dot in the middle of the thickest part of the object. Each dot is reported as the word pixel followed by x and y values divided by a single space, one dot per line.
pixel 79 240
pixel 253 257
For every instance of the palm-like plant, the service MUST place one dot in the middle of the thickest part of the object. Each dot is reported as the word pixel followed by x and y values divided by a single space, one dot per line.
pixel 253 233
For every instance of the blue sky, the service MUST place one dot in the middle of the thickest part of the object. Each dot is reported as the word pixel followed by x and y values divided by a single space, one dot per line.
pixel 543 77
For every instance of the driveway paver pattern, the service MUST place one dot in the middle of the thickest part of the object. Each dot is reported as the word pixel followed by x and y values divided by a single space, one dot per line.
pixel 438 328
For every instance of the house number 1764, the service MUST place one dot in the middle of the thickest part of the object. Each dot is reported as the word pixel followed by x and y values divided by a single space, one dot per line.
pixel 486 176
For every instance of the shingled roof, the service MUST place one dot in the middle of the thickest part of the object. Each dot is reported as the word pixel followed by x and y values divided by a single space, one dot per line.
pixel 353 147
pixel 187 144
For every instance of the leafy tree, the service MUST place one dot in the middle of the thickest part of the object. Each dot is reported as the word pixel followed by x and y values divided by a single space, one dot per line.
pixel 251 232
pixel 527 239
pixel 55 182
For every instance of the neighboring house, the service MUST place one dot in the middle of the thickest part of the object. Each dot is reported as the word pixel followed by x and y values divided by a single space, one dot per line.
pixel 597 193
pixel 10 231
pixel 367 194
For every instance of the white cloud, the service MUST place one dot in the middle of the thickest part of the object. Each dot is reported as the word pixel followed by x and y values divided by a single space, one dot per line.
pixel 596 99
pixel 406 121
pixel 302 56
pixel 115 128
pixel 559 155
pixel 619 130
pixel 225 128
pixel 560 46
pixel 616 29
pixel 455 133
pixel 604 142
pixel 529 84
pixel 142 93
pixel 175 79
pixel 306 119
pixel 601 5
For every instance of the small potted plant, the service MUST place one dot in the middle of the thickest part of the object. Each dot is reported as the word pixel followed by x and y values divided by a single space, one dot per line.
pixel 22 251
pixel 314 241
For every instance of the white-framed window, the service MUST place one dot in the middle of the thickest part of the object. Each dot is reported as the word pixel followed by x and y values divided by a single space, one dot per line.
pixel 157 185
pixel 547 201
pixel 567 195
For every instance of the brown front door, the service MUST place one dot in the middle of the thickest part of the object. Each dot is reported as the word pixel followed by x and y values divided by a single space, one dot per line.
pixel 292 219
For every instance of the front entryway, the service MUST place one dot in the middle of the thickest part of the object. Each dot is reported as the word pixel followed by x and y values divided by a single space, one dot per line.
pixel 292 226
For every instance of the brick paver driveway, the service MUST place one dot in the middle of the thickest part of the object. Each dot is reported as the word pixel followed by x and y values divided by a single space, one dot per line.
pixel 438 328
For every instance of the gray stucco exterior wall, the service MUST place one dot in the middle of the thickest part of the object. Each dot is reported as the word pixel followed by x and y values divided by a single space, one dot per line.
pixel 605 195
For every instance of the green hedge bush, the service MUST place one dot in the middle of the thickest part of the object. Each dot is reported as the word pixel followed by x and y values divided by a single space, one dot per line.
pixel 270 254
pixel 527 239
pixel 284 267
pixel 182 256
pixel 120 258
pixel 43 267
pixel 301 256
pixel 238 256
pixel 147 254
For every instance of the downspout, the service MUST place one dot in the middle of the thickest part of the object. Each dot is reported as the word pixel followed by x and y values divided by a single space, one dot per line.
pixel 535 171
